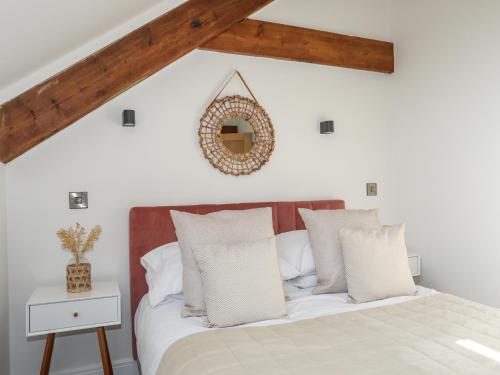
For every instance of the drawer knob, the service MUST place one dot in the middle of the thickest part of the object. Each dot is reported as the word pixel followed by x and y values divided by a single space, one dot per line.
pixel 75 315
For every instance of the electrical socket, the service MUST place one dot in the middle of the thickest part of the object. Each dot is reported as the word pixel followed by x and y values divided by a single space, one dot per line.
pixel 78 200
pixel 371 189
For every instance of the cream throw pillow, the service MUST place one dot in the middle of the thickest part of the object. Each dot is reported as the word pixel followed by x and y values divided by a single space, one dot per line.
pixel 322 227
pixel 227 227
pixel 376 263
pixel 242 283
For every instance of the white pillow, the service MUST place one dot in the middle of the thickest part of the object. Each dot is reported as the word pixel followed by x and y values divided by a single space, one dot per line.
pixel 153 260
pixel 229 227
pixel 322 228
pixel 376 263
pixel 295 250
pixel 307 265
pixel 287 271
pixel 304 282
pixel 163 272
pixel 241 282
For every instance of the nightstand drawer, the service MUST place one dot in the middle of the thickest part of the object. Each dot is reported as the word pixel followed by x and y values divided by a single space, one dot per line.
pixel 73 314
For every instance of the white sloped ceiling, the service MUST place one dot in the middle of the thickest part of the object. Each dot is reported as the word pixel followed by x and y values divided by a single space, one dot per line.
pixel 34 32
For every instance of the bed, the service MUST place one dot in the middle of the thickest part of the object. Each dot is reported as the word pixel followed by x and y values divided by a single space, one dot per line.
pixel 427 333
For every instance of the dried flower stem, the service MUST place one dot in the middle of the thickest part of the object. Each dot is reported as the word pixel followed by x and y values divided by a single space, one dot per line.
pixel 75 240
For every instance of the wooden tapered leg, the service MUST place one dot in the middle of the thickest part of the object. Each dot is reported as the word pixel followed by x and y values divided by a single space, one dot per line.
pixel 103 347
pixel 47 354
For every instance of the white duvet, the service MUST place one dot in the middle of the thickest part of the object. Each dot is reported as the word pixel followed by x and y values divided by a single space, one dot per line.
pixel 158 328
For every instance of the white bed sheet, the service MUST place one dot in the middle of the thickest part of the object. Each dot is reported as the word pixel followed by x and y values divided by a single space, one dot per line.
pixel 160 327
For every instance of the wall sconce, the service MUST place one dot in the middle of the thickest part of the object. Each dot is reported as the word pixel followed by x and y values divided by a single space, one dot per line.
pixel 128 117
pixel 326 127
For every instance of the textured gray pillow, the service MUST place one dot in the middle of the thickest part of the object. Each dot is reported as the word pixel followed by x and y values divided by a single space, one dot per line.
pixel 242 282
pixel 322 227
pixel 376 263
pixel 222 227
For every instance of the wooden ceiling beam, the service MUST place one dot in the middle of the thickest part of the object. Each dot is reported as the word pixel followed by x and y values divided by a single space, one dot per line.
pixel 267 39
pixel 51 106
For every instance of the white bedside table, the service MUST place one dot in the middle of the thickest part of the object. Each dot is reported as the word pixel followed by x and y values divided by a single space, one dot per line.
pixel 52 310
pixel 414 263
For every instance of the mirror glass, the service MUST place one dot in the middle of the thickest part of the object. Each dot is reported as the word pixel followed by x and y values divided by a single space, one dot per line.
pixel 238 135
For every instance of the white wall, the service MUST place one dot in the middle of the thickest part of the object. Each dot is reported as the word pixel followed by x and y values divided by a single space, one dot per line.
pixel 446 137
pixel 4 297
pixel 67 24
pixel 159 161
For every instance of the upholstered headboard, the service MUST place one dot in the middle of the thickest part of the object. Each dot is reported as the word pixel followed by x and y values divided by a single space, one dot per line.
pixel 151 227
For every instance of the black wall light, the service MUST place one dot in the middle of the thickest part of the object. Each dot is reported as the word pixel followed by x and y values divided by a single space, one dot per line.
pixel 128 117
pixel 326 127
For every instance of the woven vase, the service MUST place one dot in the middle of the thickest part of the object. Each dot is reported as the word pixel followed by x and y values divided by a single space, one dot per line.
pixel 78 278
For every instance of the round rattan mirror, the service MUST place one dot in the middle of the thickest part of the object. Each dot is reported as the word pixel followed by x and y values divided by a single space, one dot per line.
pixel 236 135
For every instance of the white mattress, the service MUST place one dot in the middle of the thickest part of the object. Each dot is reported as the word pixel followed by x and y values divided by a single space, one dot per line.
pixel 158 328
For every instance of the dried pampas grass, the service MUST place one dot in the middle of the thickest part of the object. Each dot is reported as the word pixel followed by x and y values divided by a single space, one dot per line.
pixel 75 240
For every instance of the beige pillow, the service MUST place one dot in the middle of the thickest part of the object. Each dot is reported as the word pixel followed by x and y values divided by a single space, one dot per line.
pixel 376 263
pixel 223 227
pixel 322 227
pixel 242 283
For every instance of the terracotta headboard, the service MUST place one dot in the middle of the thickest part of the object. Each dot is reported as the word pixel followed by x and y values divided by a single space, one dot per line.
pixel 151 227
